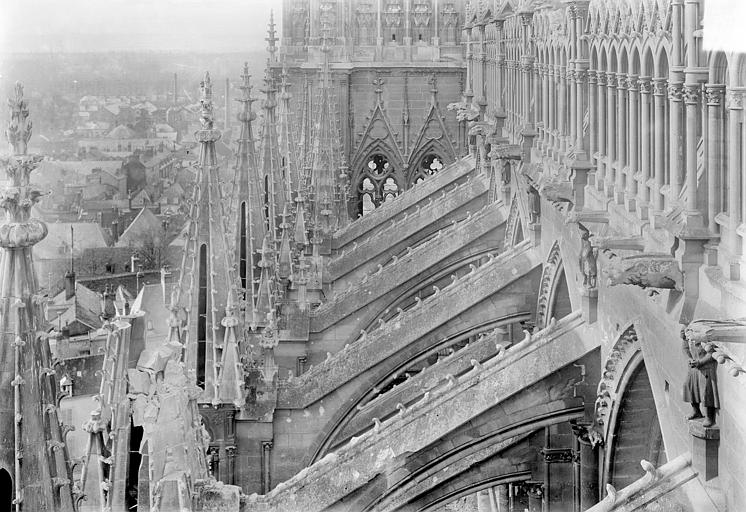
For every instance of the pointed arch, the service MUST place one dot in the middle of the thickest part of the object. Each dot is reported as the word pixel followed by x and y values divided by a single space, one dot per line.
pixel 552 286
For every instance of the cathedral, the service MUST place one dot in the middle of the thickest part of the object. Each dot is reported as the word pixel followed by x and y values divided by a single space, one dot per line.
pixel 479 256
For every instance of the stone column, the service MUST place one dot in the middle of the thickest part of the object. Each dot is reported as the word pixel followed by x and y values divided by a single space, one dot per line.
pixel 601 128
pixel 501 497
pixel 562 108
pixel 379 33
pixel 659 98
pixel 571 77
pixel 580 86
pixel 586 466
pixel 230 451
pixel 675 96
pixel 735 105
pixel 714 94
pixel 691 97
pixel 535 496
pixel 621 136
pixel 645 125
pixel 266 467
pixel 483 501
pixel 610 131
pixel 592 114
pixel 552 100
pixel 634 142
pixel 526 69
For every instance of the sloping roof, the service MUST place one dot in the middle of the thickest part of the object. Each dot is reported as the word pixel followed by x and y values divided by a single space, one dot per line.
pixel 113 108
pixel 121 132
pixel 88 235
pixel 144 225
pixel 163 127
pixel 83 307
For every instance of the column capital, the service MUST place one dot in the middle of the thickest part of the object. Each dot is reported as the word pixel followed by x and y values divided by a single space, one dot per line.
pixel 714 94
pixel 676 91
pixel 633 83
pixel 645 84
pixel 692 93
pixel 734 100
pixel 267 445
pixel 601 77
pixel 622 81
pixel 230 451
pixel 592 77
pixel 569 75
pixel 659 86
pixel 581 76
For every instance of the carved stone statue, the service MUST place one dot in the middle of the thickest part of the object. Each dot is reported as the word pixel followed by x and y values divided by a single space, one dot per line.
pixel 534 201
pixel 701 387
pixel 587 260
pixel 506 172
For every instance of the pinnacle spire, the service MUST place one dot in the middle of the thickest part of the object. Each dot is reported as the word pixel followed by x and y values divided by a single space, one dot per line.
pixel 276 191
pixel 272 37
pixel 287 138
pixel 247 183
pixel 208 287
pixel 28 403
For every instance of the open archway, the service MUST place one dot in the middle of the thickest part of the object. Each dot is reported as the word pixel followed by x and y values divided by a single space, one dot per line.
pixel 636 431
pixel 6 491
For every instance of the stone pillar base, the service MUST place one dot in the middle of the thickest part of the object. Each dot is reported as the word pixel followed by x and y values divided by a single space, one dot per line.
pixel 619 196
pixel 589 304
pixel 711 254
pixel 705 444
pixel 643 210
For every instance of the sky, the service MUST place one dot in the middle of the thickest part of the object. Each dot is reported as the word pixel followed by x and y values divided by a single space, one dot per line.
pixel 203 26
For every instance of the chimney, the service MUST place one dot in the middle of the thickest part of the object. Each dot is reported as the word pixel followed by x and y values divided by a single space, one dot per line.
pixel 115 230
pixel 227 104
pixel 70 274
pixel 176 90
pixel 108 310
pixel 69 285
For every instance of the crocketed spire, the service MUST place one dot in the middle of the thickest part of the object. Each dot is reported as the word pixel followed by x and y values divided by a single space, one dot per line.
pixel 32 444
pixel 208 286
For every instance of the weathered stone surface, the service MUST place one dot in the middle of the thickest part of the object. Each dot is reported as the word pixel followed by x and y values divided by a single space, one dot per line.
pixel 390 337
pixel 645 271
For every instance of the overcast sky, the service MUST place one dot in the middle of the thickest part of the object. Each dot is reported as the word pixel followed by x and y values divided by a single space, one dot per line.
pixel 158 25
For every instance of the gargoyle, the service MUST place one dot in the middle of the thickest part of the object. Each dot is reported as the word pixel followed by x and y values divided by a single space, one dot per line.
pixel 645 271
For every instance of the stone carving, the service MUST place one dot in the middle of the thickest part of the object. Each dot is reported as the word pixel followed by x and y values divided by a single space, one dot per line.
pixel 626 346
pixel 587 260
pixel 692 93
pixel 701 387
pixel 645 271
pixel 735 100
pixel 549 274
pixel 714 94
pixel 555 189
pixel 557 455
pixel 534 202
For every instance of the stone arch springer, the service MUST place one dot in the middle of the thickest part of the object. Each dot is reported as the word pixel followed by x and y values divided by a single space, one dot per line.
pixel 623 358
pixel 550 278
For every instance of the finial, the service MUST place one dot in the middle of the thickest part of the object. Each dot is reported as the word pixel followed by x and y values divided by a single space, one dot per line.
pixel 19 127
pixel 378 82
pixel 206 101
pixel 271 36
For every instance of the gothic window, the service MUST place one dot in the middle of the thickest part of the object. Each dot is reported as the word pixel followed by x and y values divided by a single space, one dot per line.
pixel 377 184
pixel 429 165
